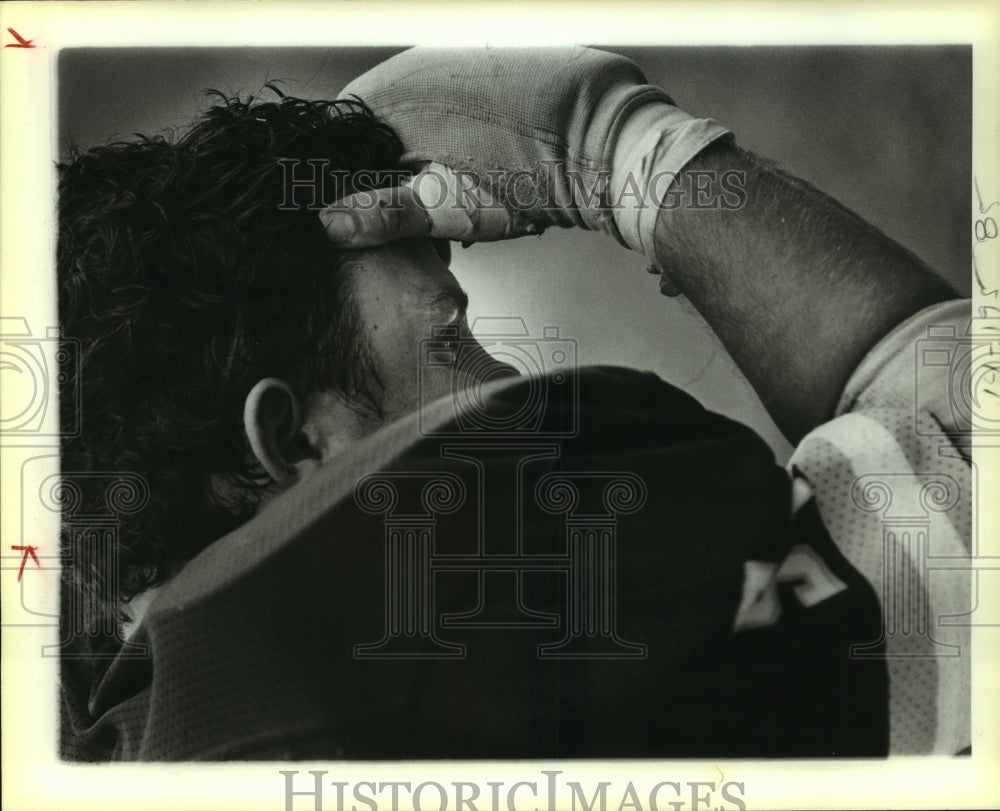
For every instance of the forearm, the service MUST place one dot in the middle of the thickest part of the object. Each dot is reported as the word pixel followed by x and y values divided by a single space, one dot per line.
pixel 797 287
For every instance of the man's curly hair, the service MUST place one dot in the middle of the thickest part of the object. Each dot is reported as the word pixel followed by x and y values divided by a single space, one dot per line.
pixel 186 279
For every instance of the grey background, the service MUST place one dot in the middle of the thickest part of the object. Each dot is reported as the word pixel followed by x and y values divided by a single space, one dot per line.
pixel 885 130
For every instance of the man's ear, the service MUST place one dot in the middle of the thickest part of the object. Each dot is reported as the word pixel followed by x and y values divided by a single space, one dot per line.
pixel 273 417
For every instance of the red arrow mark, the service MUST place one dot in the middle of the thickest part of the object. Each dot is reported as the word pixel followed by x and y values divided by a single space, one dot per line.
pixel 21 41
pixel 28 550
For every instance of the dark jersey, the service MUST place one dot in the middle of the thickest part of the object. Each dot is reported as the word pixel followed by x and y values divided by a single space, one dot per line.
pixel 568 566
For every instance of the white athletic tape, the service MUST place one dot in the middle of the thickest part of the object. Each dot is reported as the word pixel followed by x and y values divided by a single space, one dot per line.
pixel 654 145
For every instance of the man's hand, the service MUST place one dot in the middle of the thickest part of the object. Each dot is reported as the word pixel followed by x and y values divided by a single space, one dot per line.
pixel 798 288
pixel 510 141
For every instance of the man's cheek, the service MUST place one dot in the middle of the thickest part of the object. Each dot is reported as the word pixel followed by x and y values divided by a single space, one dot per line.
pixel 436 381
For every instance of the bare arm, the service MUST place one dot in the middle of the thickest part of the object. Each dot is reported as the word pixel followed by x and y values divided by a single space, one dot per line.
pixel 797 287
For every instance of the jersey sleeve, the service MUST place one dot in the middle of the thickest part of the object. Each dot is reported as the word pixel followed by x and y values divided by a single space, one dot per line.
pixel 893 483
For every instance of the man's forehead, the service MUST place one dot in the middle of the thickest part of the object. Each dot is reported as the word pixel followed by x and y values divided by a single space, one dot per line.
pixel 404 270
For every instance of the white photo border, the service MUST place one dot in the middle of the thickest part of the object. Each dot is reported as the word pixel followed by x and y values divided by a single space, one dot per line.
pixel 33 776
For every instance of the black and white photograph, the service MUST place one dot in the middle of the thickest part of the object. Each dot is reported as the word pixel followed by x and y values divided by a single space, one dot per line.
pixel 425 418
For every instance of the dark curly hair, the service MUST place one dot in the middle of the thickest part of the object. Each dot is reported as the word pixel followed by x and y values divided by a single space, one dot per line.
pixel 186 278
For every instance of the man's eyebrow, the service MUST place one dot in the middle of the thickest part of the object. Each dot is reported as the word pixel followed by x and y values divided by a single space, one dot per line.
pixel 452 293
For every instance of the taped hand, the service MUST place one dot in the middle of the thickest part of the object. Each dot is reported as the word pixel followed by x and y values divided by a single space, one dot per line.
pixel 510 141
